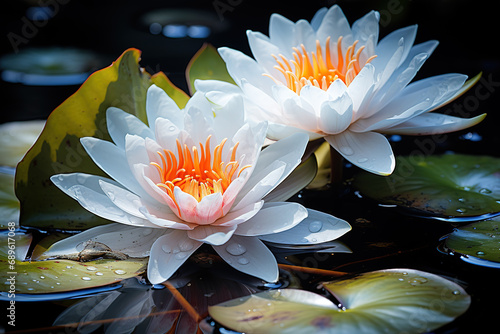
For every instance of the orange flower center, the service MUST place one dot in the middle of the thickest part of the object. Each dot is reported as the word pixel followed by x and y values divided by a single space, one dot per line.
pixel 316 68
pixel 196 172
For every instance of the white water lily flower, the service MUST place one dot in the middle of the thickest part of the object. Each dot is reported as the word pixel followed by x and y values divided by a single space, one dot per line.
pixel 193 176
pixel 329 79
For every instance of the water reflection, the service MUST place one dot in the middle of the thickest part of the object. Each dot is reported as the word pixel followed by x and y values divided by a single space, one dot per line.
pixel 144 308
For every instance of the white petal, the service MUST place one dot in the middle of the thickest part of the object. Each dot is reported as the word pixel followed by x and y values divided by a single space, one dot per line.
pixel 336 113
pixel 230 117
pixel 166 133
pixel 261 98
pixel 360 90
pixel 334 25
pixel 250 256
pixel 213 235
pixel 318 18
pixel 168 253
pixel 317 228
pixel 433 123
pixel 112 160
pixel 86 190
pixel 159 104
pixel 368 150
pixel 235 217
pixel 120 123
pixel 262 50
pixel 281 34
pixel 304 34
pixel 273 218
pixel 165 219
pixel 390 43
pixel 404 74
pixel 278 131
pixel 260 183
pixel 207 86
pixel 414 100
pixel 209 209
pixel 241 66
pixel 133 241
pixel 366 29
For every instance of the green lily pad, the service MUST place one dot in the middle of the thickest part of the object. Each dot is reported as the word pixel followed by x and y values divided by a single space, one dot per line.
pixel 58 149
pixel 386 301
pixel 15 140
pixel 9 204
pixel 480 240
pixel 65 275
pixel 451 186
pixel 207 64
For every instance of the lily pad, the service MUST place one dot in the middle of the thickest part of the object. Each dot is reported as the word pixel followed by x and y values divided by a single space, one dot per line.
pixel 58 149
pixel 450 187
pixel 15 140
pixel 386 301
pixel 39 277
pixel 9 204
pixel 207 64
pixel 480 240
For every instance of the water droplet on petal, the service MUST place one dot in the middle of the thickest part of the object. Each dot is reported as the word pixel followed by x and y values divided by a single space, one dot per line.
pixel 186 245
pixel 236 249
pixel 171 128
pixel 120 272
pixel 180 256
pixel 85 278
pixel 91 268
pixel 346 150
pixel 362 160
pixel 485 191
pixel 243 260
pixel 99 273
pixel 462 200
pixel 479 253
pixel 69 267
pixel 461 210
pixel 147 231
pixel 111 195
pixel 166 249
pixel 80 178
pixel 456 292
pixel 42 277
pixel 315 226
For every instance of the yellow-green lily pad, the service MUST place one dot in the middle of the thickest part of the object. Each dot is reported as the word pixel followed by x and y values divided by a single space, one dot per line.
pixel 451 186
pixel 385 301
pixel 207 64
pixel 9 204
pixel 479 242
pixel 40 277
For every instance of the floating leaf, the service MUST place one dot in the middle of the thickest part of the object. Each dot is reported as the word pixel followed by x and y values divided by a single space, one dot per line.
pixel 15 140
pixel 479 240
pixel 58 149
pixel 207 64
pixel 65 275
pixel 386 301
pixel 9 204
pixel 451 186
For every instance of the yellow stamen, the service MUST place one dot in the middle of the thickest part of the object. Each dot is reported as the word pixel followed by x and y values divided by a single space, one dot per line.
pixel 197 172
pixel 316 69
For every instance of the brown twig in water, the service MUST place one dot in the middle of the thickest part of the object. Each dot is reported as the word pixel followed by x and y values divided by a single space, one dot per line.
pixel 312 270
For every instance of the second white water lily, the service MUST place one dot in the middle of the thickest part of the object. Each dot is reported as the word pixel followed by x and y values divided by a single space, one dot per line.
pixel 332 80
pixel 194 176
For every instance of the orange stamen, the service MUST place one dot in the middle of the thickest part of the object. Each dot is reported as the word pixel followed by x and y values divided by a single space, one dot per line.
pixel 197 171
pixel 316 68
